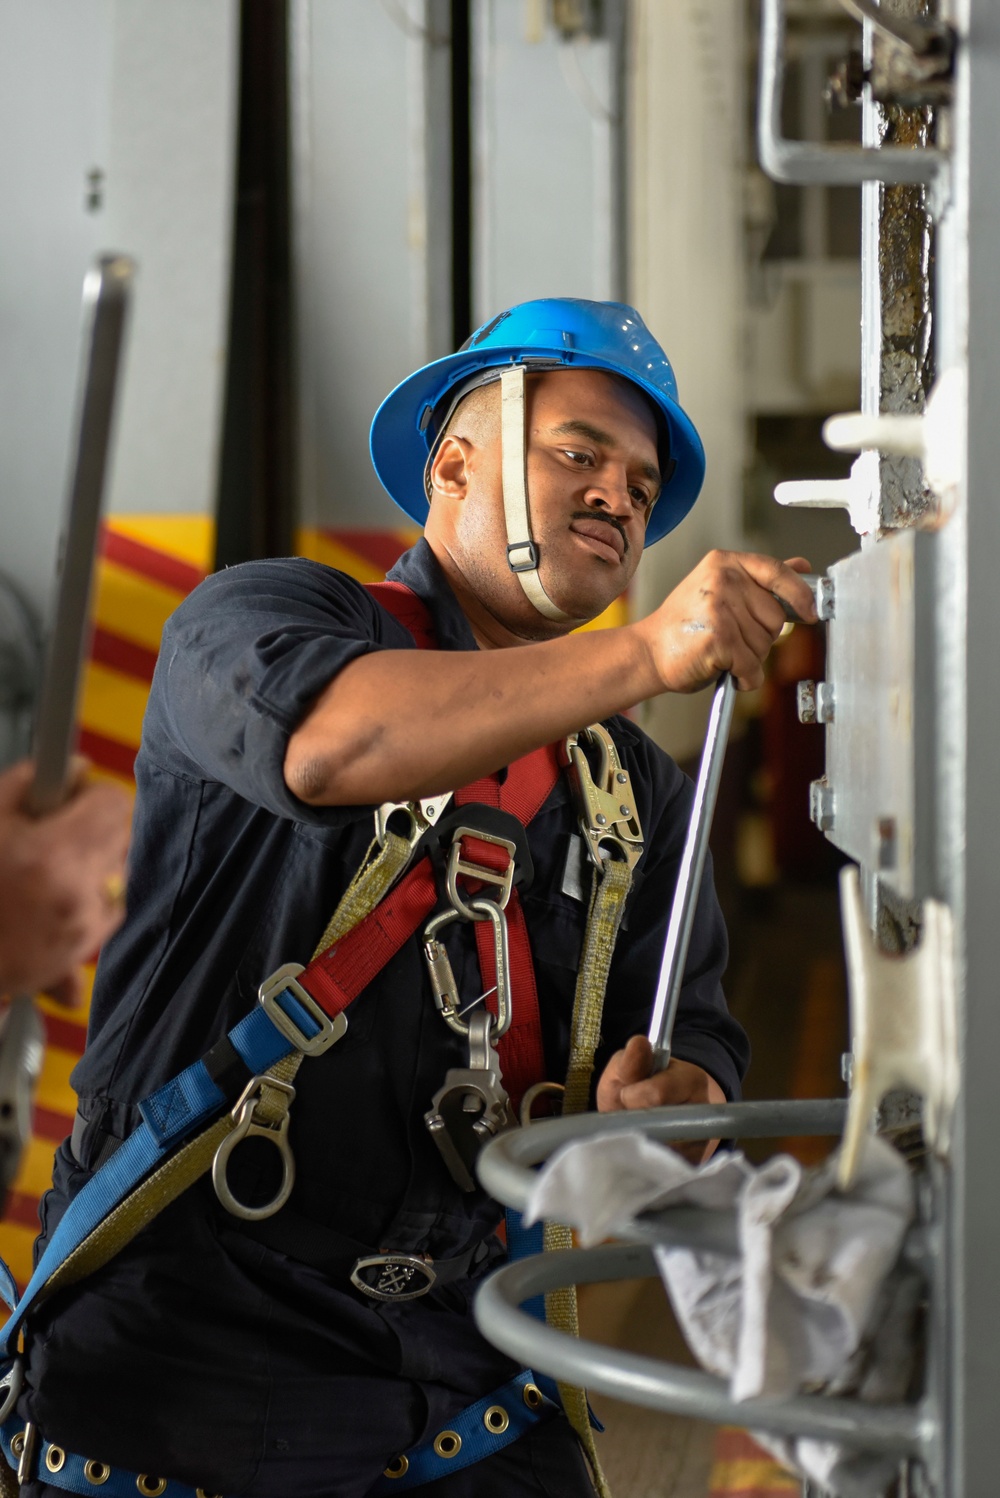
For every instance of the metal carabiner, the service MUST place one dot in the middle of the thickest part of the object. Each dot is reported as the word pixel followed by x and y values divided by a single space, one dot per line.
pixel 605 801
pixel 11 1385
pixel 489 910
pixel 248 1128
pixel 442 976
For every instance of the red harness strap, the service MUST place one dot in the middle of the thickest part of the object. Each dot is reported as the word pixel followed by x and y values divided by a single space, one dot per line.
pixel 337 977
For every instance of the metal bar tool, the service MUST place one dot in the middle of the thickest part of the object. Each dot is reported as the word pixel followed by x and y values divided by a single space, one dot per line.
pixel 678 938
pixel 106 296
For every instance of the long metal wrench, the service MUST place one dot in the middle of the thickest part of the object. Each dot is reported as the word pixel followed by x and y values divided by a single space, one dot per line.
pixel 682 912
pixel 106 295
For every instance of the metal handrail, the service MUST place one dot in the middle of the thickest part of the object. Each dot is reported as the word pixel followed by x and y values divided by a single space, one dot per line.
pixel 505 1165
pixel 900 1430
pixel 806 163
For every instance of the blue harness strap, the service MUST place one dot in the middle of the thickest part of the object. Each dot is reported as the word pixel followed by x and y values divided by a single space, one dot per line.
pixel 481 1430
pixel 52 1465
pixel 172 1113
pixel 169 1115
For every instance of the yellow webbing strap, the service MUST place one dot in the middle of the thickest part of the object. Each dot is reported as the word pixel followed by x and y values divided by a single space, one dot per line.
pixel 193 1159
pixel 607 904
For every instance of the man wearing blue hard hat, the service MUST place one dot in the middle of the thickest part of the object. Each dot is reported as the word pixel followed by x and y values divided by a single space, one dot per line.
pixel 394 883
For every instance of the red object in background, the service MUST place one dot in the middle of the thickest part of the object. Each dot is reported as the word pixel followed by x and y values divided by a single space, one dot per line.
pixel 794 755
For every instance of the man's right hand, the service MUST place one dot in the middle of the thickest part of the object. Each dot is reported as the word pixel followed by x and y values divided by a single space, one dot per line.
pixel 725 616
pixel 61 882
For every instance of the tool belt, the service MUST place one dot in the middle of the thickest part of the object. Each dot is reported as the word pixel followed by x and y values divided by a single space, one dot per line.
pixel 243 1088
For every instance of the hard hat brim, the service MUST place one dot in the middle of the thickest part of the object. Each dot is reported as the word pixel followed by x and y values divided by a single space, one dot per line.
pixel 399 447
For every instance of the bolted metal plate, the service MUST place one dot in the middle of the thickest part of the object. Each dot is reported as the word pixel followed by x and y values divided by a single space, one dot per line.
pixel 877 795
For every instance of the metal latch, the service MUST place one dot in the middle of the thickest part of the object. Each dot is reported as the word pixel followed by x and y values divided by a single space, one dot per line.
pixel 422 816
pixel 904 1023
pixel 605 801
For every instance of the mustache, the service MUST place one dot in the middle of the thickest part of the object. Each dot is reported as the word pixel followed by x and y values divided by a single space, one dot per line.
pixel 608 520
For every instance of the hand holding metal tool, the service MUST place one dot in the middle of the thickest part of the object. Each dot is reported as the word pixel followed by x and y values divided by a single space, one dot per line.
pixel 678 938
pixel 106 294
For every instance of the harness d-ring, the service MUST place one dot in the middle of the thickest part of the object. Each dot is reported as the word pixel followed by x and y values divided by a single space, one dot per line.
pixel 248 1128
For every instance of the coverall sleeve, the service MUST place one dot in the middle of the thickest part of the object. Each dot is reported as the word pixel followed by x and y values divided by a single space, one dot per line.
pixel 240 663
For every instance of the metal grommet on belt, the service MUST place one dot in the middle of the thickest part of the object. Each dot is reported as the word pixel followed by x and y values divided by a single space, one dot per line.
pixel 398 1467
pixel 496 1419
pixel 151 1487
pixel 17 1444
pixel 200 1493
pixel 96 1473
pixel 448 1444
pixel 532 1396
pixel 55 1458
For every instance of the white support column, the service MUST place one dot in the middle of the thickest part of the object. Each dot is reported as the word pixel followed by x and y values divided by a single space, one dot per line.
pixel 686 68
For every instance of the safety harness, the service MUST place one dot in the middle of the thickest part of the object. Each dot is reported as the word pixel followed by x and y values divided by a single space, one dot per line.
pixel 192 1124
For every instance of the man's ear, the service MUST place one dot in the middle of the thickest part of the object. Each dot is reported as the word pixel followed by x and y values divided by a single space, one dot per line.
pixel 450 469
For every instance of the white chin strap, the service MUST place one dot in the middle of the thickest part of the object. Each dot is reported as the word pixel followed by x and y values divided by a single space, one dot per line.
pixel 522 553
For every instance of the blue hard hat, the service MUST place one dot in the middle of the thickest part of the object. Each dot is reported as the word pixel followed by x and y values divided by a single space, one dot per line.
pixel 543 334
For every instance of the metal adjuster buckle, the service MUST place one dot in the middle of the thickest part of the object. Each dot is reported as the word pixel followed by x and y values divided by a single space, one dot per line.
pixel 530 564
pixel 389 1276
pixel 330 1030
pixel 502 881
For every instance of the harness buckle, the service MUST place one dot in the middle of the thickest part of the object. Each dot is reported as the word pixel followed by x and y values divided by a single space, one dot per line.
pixel 528 562
pixel 389 1276
pixel 423 815
pixel 249 1127
pixel 605 801
pixel 282 980
pixel 502 880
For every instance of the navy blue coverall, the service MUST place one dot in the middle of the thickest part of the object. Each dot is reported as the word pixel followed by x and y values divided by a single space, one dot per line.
pixel 234 1356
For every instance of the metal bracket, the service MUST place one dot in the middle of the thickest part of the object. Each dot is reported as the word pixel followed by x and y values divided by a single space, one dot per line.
pixel 802 163
pixel 857 494
pixel 937 437
pixel 904 1024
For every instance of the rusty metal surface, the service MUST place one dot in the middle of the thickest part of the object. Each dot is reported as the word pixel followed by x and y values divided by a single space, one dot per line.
pixel 906 255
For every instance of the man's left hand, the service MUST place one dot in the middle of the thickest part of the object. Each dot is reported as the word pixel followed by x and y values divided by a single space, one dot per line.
pixel 628 1081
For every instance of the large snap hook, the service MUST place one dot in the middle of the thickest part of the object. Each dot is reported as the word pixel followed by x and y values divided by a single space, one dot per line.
pixel 247 1127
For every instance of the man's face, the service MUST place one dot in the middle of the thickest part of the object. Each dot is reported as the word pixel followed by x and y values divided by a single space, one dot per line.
pixel 593 477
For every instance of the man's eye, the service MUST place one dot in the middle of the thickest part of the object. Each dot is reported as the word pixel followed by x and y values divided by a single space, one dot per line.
pixel 639 497
pixel 580 458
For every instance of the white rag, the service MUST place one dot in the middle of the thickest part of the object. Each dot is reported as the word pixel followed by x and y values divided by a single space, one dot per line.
pixel 816 1276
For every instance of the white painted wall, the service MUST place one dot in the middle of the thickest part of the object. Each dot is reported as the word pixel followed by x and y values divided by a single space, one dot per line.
pixel 169 202
pixel 546 118
pixel 372 206
pixel 145 93
pixel 54 71
pixel 685 94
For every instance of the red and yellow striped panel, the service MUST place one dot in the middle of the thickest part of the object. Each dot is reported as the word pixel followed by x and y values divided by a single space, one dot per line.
pixel 742 1469
pixel 146 567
